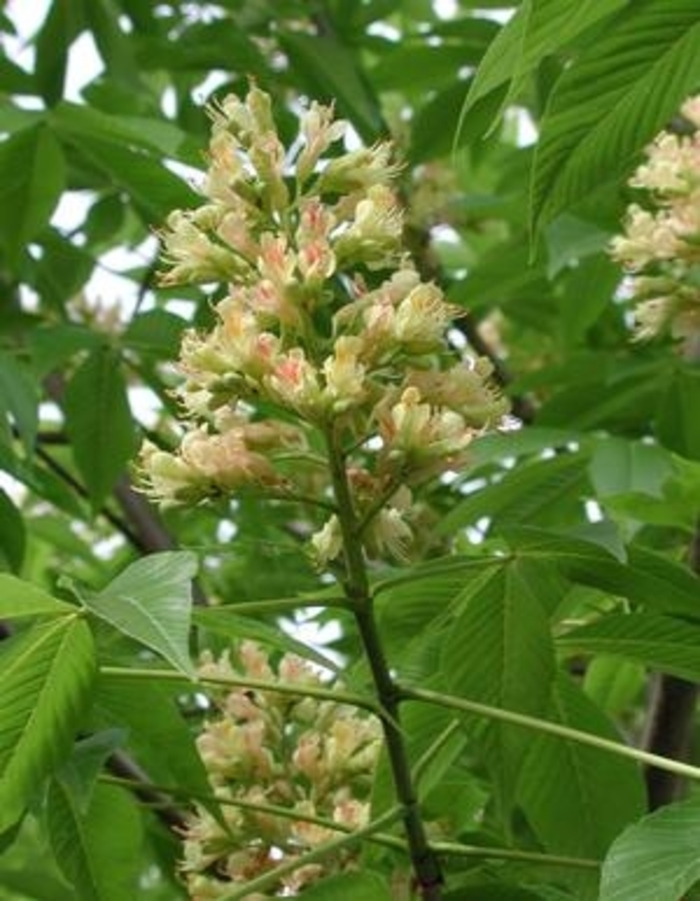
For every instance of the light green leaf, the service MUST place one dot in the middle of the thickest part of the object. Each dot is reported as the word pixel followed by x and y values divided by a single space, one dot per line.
pixel 151 602
pixel 99 422
pixel 98 850
pixel 499 652
pixel 19 599
pixel 33 178
pixel 657 858
pixel 613 99
pixel 660 642
pixel 577 798
pixel 47 675
pixel 79 773
pixel 614 684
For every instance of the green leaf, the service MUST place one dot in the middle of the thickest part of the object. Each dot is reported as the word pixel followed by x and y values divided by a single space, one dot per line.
pixel 614 684
pixel 34 177
pixel 19 599
pixel 58 31
pixel 619 465
pixel 47 675
pixel 151 601
pixel 347 885
pixel 225 621
pixel 677 421
pixel 647 578
pixel 612 99
pixel 332 72
pixel 98 850
pixel 577 798
pixel 521 492
pixel 19 398
pixel 99 422
pixel 536 30
pixel 156 332
pixel 499 652
pixel 160 137
pixel 660 642
pixel 159 736
pixel 13 535
pixel 657 858
pixel 79 773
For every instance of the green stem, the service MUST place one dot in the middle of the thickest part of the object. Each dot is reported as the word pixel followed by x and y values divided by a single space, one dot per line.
pixel 356 583
pixel 447 849
pixel 271 878
pixel 280 688
pixel 544 726
pixel 279 605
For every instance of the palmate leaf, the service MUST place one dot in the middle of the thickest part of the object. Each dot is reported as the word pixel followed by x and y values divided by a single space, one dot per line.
pixel 657 858
pixel 613 99
pixel 536 30
pixel 577 798
pixel 98 849
pixel 499 652
pixel 660 642
pixel 151 601
pixel 47 675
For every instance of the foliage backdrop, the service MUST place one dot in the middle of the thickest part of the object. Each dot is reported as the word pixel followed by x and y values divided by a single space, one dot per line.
pixel 563 570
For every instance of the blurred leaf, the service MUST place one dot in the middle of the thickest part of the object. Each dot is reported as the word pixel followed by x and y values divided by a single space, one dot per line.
pixel 47 674
pixel 677 420
pixel 99 422
pixel 34 178
pixel 350 885
pixel 332 72
pixel 156 332
pixel 613 684
pixel 655 859
pixel 115 47
pixel 19 398
pixel 615 96
pixel 150 601
pixel 619 465
pixel 13 537
pixel 61 26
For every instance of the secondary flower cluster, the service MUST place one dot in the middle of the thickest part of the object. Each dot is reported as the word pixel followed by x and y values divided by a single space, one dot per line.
pixel 661 244
pixel 314 758
pixel 327 337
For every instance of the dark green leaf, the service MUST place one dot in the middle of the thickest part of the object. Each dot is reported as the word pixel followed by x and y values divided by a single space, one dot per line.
pixel 13 537
pixel 57 33
pixel 343 886
pixel 99 422
pixel 47 675
pixel 151 601
pixel 34 176
pixel 19 398
pixel 677 420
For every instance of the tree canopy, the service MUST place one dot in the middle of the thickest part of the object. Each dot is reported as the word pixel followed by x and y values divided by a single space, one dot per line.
pixel 350 450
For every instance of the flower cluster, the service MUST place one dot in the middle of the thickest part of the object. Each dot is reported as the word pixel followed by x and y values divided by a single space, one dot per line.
pixel 260 749
pixel 326 331
pixel 661 244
